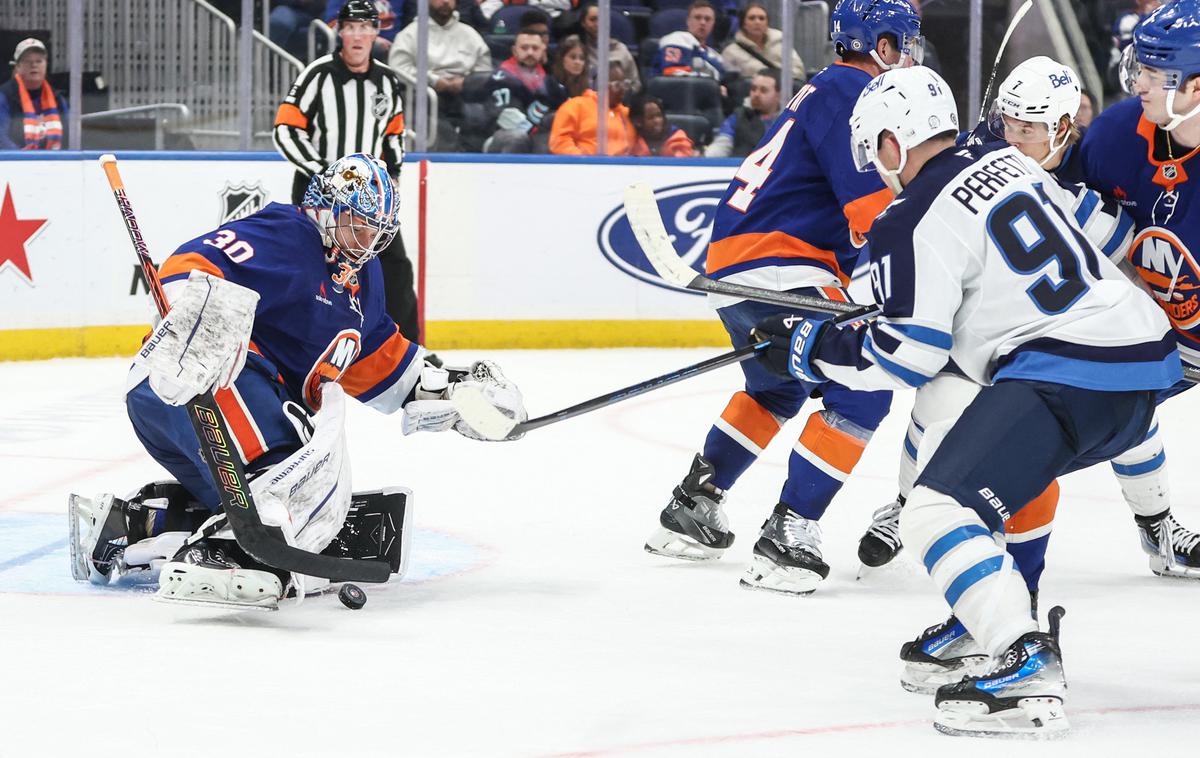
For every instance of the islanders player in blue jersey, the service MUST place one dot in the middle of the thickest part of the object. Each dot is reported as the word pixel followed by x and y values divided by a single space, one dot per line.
pixel 794 218
pixel 1143 153
pixel 283 313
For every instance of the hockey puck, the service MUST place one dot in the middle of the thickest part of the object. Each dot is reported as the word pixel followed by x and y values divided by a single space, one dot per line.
pixel 352 597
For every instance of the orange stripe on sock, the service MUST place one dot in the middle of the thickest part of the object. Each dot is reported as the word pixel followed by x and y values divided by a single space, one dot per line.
pixel 240 425
pixel 836 448
pixel 1037 514
pixel 751 419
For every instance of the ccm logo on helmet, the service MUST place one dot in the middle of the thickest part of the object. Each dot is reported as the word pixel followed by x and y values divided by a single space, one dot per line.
pixel 342 352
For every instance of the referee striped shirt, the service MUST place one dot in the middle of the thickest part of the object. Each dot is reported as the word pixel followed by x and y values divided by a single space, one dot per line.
pixel 331 112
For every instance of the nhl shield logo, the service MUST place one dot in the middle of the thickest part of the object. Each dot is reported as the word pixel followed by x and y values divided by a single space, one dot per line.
pixel 240 200
pixel 380 104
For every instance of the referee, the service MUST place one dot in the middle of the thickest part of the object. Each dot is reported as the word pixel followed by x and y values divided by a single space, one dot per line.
pixel 343 103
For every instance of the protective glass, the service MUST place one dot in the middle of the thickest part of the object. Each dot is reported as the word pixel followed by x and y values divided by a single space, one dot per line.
pixel 1014 130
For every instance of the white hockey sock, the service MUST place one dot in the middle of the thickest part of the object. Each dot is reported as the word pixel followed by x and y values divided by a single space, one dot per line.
pixel 1142 473
pixel 969 566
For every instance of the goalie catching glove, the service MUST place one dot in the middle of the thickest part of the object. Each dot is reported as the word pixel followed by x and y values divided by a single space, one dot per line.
pixel 201 343
pixel 431 409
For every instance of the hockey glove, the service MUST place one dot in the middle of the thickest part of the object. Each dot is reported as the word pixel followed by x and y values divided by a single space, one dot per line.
pixel 201 343
pixel 793 340
pixel 431 409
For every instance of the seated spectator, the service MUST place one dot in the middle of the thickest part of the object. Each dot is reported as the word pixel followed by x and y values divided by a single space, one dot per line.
pixel 574 130
pixel 756 45
pixel 455 50
pixel 32 114
pixel 536 22
pixel 1087 110
pixel 520 96
pixel 590 25
pixel 471 14
pixel 686 53
pixel 745 127
pixel 393 15
pixel 655 135
pixel 570 66
pixel 289 22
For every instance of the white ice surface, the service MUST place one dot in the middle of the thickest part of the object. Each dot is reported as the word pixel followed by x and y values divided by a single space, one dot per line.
pixel 532 623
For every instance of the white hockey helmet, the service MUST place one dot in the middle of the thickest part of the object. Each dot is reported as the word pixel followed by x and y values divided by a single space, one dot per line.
pixel 1032 101
pixel 914 104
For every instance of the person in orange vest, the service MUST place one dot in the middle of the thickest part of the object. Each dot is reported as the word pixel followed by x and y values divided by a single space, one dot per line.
pixel 574 130
pixel 32 114
pixel 657 136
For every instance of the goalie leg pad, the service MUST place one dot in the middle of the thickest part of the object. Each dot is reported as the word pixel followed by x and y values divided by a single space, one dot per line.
pixel 377 526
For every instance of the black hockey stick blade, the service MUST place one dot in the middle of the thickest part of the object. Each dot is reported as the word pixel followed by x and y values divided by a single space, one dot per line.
pixel 483 417
pixel 646 222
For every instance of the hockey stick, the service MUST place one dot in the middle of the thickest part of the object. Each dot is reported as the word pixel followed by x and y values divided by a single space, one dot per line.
pixel 484 418
pixel 1012 27
pixel 646 222
pixel 224 461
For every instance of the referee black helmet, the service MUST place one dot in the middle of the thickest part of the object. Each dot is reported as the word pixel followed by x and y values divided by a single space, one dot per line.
pixel 359 10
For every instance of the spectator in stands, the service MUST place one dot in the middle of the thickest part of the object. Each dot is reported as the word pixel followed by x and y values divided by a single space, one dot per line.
pixel 570 66
pixel 574 130
pixel 1087 110
pixel 393 15
pixel 552 8
pixel 536 22
pixel 289 22
pixel 589 23
pixel 472 15
pixel 1122 35
pixel 745 127
pixel 520 96
pixel 756 45
pixel 455 50
pixel 686 53
pixel 32 115
pixel 655 135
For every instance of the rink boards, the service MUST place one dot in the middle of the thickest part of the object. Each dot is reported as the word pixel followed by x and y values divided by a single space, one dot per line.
pixel 527 252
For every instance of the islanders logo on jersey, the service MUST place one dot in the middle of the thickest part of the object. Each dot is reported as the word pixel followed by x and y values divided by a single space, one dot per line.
pixel 342 351
pixel 1169 268
pixel 687 210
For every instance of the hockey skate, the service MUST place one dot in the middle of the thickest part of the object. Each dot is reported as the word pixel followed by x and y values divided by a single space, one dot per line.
pixel 693 526
pixel 1173 550
pixel 942 654
pixel 787 556
pixel 881 542
pixel 1021 697
pixel 216 573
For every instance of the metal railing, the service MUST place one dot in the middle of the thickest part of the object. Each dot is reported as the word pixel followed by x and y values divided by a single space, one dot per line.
pixel 160 124
pixel 156 51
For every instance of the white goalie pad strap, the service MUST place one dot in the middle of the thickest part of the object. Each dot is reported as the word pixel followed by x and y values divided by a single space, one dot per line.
pixel 201 343
pixel 308 494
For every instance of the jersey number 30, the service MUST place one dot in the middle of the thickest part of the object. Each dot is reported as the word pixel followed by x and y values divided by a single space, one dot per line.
pixel 756 169
pixel 227 242
pixel 1029 240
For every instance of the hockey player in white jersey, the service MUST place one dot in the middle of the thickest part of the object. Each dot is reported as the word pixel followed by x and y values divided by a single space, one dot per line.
pixel 980 262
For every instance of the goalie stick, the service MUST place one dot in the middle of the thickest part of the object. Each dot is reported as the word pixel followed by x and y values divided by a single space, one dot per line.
pixel 646 222
pixel 224 462
pixel 484 418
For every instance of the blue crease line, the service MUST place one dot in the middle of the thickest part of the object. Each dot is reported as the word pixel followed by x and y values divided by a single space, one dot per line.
pixel 33 555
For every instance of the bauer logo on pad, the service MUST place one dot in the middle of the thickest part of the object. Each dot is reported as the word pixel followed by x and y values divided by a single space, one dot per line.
pixel 687 211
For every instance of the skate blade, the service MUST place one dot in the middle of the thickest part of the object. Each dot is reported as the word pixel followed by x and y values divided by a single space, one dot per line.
pixel 925 679
pixel 223 605
pixel 1174 571
pixel 1035 718
pixel 670 544
pixel 786 580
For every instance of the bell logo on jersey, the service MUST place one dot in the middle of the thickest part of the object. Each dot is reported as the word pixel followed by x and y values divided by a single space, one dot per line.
pixel 687 210
pixel 1167 266
pixel 342 352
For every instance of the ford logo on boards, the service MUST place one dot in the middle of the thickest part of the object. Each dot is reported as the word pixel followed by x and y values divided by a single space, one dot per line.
pixel 687 211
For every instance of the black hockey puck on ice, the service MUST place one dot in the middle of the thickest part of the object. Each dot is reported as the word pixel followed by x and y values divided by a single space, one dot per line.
pixel 352 597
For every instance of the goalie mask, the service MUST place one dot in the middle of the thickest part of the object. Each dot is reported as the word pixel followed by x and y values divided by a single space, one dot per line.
pixel 1031 103
pixel 356 206
pixel 913 104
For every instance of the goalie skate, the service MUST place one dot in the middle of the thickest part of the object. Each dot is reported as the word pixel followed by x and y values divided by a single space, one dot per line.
pixel 1173 550
pixel 787 556
pixel 693 526
pixel 97 537
pixel 942 654
pixel 207 573
pixel 1022 697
